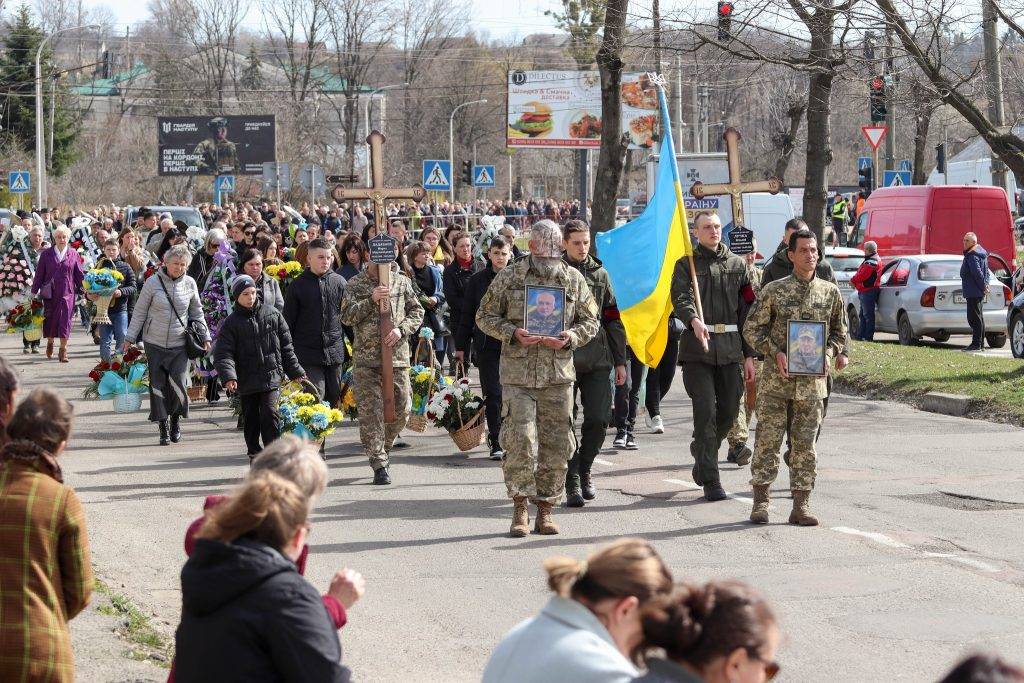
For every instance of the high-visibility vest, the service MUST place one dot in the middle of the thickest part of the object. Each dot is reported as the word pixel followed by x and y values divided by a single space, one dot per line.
pixel 839 208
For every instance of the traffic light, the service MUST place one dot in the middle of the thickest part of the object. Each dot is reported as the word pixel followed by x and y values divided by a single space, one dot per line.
pixel 940 158
pixel 878 112
pixel 866 180
pixel 467 172
pixel 724 20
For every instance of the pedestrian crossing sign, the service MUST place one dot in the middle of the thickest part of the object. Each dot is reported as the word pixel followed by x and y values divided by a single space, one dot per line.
pixel 896 179
pixel 863 163
pixel 19 182
pixel 225 183
pixel 437 174
pixel 483 176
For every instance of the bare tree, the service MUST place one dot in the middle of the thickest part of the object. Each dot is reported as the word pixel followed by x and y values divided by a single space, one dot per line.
pixel 295 31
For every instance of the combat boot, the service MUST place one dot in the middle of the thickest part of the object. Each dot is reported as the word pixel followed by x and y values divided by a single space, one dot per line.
pixel 520 518
pixel 587 485
pixel 759 515
pixel 573 493
pixel 801 513
pixel 544 524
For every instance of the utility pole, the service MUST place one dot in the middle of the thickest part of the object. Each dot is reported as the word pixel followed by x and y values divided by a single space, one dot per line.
pixel 679 101
pixel 993 82
pixel 890 104
pixel 705 112
pixel 695 129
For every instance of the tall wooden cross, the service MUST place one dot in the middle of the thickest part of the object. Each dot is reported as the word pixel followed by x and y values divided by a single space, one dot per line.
pixel 379 194
pixel 735 188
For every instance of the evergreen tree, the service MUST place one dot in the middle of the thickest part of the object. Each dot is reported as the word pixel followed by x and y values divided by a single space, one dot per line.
pixel 251 78
pixel 17 77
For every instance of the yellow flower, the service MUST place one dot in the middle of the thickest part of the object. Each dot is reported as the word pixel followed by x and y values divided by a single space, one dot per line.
pixel 337 416
pixel 117 275
pixel 304 413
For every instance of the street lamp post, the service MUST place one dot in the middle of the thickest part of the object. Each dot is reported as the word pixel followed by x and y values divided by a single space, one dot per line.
pixel 366 121
pixel 451 147
pixel 40 144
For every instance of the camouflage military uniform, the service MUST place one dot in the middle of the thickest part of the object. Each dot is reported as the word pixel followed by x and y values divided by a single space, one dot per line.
pixel 362 313
pixel 794 403
pixel 536 380
pixel 216 157
pixel 739 432
pixel 549 325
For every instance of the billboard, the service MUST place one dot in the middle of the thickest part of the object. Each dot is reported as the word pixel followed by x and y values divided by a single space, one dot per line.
pixel 563 109
pixel 214 145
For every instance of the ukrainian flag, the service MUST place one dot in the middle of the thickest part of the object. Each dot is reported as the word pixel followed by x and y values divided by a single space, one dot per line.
pixel 641 255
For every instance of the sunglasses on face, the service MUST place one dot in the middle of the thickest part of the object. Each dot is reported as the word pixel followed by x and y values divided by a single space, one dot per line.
pixel 250 233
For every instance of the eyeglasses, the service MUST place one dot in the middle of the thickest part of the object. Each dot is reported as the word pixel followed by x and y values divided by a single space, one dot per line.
pixel 250 233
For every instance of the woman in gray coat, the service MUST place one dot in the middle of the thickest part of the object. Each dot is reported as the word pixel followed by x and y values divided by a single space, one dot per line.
pixel 168 302
pixel 268 289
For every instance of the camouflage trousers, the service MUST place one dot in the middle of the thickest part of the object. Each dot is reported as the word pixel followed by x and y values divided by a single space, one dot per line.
pixel 376 435
pixel 775 417
pixel 538 440
pixel 740 431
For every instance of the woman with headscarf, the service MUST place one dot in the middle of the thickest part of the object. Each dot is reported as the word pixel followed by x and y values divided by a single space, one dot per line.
pixel 58 279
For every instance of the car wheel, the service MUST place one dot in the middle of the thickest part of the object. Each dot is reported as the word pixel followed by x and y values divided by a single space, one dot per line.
pixel 996 340
pixel 942 337
pixel 1017 336
pixel 905 331
pixel 853 321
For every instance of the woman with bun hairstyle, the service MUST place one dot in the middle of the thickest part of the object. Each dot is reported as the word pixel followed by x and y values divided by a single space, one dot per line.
pixel 247 614
pixel 590 629
pixel 721 632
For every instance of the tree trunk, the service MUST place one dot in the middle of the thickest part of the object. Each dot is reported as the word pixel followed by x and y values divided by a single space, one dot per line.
pixel 922 121
pixel 613 147
pixel 351 130
pixel 819 127
pixel 787 140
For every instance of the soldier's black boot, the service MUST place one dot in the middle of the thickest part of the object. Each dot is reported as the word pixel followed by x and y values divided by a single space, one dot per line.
pixel 175 428
pixel 380 477
pixel 164 439
pixel 714 492
pixel 587 486
pixel 573 494
pixel 739 454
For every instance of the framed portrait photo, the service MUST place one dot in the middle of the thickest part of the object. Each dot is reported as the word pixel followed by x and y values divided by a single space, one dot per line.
pixel 545 310
pixel 805 348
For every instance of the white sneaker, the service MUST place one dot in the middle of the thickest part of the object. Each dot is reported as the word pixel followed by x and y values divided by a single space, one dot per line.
pixel 657 426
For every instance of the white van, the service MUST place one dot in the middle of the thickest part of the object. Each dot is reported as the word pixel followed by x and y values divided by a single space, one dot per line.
pixel 766 214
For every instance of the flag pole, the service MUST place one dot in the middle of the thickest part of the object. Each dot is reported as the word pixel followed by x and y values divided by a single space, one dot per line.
pixel 659 81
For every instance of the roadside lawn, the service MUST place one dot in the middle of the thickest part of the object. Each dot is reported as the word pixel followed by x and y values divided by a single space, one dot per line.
pixel 906 373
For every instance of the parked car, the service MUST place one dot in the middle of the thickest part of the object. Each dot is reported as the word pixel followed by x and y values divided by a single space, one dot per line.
pixel 1015 325
pixel 921 297
pixel 932 219
pixel 844 261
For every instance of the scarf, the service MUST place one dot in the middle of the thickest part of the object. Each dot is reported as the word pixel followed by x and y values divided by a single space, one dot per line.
pixel 61 253
pixel 30 453
pixel 467 264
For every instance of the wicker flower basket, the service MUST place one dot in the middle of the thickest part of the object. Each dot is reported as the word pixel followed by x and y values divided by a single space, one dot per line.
pixel 418 421
pixel 102 307
pixel 471 433
pixel 33 334
pixel 304 385
pixel 197 392
pixel 127 403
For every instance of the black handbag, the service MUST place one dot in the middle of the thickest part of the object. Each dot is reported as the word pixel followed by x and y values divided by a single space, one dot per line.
pixel 195 338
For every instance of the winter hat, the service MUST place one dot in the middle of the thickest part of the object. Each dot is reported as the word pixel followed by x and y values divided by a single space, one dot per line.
pixel 239 285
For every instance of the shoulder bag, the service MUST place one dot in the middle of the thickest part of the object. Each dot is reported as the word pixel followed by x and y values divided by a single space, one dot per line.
pixel 195 340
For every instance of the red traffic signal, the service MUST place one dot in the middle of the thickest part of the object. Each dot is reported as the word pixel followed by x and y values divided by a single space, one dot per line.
pixel 724 9
pixel 877 83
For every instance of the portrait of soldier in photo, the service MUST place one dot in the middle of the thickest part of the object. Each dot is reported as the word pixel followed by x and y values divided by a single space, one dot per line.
pixel 806 348
pixel 545 308
pixel 217 154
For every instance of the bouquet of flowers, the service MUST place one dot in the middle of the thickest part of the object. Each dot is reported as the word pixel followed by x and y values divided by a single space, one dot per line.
pixel 348 404
pixel 102 282
pixel 16 268
pixel 306 416
pixel 285 272
pixel 26 318
pixel 458 410
pixel 217 301
pixel 126 373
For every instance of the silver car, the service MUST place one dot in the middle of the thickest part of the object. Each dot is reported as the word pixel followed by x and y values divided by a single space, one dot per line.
pixel 844 261
pixel 921 297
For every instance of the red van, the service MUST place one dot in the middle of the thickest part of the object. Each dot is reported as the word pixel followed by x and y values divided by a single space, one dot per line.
pixel 932 219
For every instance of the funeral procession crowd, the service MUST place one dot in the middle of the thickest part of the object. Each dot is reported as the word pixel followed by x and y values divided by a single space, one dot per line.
pixel 304 318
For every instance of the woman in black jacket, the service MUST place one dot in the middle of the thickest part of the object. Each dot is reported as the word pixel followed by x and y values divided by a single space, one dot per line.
pixel 253 354
pixel 457 275
pixel 268 289
pixel 247 614
pixel 119 310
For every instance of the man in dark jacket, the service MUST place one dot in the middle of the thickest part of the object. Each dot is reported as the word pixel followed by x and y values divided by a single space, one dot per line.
pixel 974 280
pixel 312 308
pixel 456 277
pixel 253 354
pixel 118 312
pixel 593 362
pixel 716 360
pixel 486 349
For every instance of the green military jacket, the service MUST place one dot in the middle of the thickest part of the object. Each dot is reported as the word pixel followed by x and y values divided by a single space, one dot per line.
pixel 767 327
pixel 721 277
pixel 503 310
pixel 362 314
pixel 754 275
pixel 779 266
pixel 608 347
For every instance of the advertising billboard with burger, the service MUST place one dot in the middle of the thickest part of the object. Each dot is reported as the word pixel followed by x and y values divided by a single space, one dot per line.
pixel 563 109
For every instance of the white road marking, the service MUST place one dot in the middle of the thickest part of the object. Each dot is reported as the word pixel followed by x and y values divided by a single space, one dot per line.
pixel 892 543
pixel 969 561
pixel 690 485
pixel 871 536
pixel 599 461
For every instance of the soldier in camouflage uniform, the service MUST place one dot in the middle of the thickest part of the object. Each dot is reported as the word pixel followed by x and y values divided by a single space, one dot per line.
pixel 738 449
pixel 789 402
pixel 537 376
pixel 217 154
pixel 360 309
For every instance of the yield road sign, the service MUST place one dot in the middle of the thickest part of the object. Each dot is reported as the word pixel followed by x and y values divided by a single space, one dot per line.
pixel 863 163
pixel 437 174
pixel 906 165
pixel 874 134
pixel 896 178
pixel 225 183
pixel 483 176
pixel 19 181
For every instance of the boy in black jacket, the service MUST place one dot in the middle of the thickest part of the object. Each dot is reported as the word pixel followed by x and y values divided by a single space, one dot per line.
pixel 253 354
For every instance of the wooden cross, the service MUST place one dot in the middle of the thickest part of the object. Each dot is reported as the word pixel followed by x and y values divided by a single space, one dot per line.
pixel 735 188
pixel 378 194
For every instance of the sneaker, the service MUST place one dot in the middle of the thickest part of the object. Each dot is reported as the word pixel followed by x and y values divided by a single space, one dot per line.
pixel 630 444
pixel 657 426
pixel 620 439
pixel 496 452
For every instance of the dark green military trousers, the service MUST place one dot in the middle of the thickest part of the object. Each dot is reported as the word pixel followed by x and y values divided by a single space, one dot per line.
pixel 595 394
pixel 716 392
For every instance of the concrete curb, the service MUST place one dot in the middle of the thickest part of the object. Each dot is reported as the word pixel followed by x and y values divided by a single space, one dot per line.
pixel 946 404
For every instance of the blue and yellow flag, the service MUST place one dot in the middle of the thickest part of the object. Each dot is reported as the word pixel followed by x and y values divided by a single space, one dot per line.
pixel 641 255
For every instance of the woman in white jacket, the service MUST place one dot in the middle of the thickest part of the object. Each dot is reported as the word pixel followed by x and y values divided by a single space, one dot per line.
pixel 590 631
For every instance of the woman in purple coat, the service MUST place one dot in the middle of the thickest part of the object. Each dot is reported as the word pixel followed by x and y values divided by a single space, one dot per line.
pixel 58 279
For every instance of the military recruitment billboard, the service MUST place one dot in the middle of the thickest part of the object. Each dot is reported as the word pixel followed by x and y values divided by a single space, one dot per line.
pixel 563 109
pixel 214 145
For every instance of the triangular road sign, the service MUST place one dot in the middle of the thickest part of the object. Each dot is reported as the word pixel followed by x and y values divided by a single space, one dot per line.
pixel 436 176
pixel 874 134
pixel 897 181
pixel 483 178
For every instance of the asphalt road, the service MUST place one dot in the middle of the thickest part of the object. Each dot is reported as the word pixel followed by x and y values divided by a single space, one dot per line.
pixel 918 560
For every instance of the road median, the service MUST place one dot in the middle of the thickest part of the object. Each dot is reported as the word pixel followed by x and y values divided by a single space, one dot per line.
pixel 985 387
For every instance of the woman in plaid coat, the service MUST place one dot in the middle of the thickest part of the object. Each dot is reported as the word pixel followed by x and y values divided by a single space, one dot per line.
pixel 46 577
